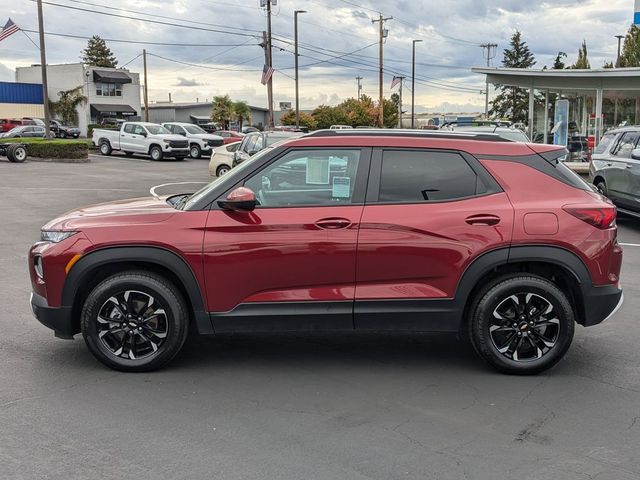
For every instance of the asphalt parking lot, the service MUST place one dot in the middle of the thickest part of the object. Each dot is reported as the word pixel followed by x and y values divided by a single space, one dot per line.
pixel 295 407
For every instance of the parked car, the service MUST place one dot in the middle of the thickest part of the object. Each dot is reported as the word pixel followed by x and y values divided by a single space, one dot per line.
pixel 252 143
pixel 222 159
pixel 615 168
pixel 229 136
pixel 249 129
pixel 25 131
pixel 509 133
pixel 63 131
pixel 7 124
pixel 450 232
pixel 142 138
pixel 199 141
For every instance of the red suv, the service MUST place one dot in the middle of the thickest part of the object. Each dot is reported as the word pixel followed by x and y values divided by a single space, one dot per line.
pixel 411 231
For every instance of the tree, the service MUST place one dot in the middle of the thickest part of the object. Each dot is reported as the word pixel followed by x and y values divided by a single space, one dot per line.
pixel 241 112
pixel 630 54
pixel 325 116
pixel 97 54
pixel 67 107
pixel 558 63
pixel 222 110
pixel 361 112
pixel 306 120
pixel 582 63
pixel 513 102
pixel 608 65
pixel 390 113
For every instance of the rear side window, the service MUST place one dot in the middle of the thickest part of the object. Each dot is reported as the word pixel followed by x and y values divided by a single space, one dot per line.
pixel 604 143
pixel 128 128
pixel 626 144
pixel 423 176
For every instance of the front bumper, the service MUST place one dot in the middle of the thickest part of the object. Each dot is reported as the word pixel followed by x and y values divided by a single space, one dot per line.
pixel 58 319
pixel 601 303
pixel 176 152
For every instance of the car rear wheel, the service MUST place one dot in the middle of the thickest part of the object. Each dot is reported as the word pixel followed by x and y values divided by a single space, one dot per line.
pixel 134 321
pixel 105 148
pixel 156 153
pixel 17 153
pixel 222 170
pixel 521 324
pixel 602 188
pixel 195 151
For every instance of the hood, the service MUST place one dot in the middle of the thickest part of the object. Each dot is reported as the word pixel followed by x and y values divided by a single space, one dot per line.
pixel 207 136
pixel 168 136
pixel 134 211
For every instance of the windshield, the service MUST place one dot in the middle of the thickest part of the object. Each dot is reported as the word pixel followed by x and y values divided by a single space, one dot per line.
pixel 157 129
pixel 236 171
pixel 513 134
pixel 194 129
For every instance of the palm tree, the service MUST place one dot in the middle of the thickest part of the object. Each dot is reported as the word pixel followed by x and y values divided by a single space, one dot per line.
pixel 241 112
pixel 67 107
pixel 222 110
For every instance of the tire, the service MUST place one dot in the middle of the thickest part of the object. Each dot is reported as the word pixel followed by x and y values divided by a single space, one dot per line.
pixel 195 151
pixel 129 154
pixel 602 188
pixel 222 169
pixel 495 328
pixel 105 147
pixel 130 344
pixel 17 153
pixel 156 153
pixel 63 134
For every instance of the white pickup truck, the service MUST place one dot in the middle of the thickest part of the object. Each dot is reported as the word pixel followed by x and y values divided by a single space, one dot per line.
pixel 142 138
pixel 200 142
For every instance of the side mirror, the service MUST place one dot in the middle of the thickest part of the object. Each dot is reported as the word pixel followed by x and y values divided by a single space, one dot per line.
pixel 241 199
pixel 144 134
pixel 251 153
pixel 635 154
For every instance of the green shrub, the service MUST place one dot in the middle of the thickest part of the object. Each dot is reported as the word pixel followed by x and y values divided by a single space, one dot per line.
pixel 59 148
pixel 91 126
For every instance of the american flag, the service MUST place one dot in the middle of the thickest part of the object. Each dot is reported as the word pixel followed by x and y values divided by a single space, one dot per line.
pixel 8 29
pixel 267 72
pixel 395 81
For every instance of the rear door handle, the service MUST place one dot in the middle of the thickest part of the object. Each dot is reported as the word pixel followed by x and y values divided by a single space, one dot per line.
pixel 483 219
pixel 333 223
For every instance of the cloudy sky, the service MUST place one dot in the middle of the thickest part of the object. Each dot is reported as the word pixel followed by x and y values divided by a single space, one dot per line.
pixel 337 38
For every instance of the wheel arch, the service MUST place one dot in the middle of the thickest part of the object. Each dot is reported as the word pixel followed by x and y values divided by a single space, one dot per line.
pixel 154 145
pixel 557 264
pixel 94 267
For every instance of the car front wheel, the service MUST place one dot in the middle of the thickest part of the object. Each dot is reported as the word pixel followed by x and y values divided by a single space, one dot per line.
pixel 134 321
pixel 195 151
pixel 222 170
pixel 156 153
pixel 521 324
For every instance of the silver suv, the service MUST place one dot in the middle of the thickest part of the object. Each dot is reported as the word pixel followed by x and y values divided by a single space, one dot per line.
pixel 615 168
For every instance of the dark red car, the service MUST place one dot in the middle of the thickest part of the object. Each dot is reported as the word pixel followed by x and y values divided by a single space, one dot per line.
pixel 343 231
pixel 229 136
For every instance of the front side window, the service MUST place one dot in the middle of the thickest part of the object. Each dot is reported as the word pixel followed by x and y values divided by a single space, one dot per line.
pixel 307 178
pixel 423 176
pixel 138 130
pixel 626 144
pixel 157 130
pixel 128 128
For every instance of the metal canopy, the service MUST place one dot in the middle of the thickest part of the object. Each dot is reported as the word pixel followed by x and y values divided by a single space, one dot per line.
pixel 111 76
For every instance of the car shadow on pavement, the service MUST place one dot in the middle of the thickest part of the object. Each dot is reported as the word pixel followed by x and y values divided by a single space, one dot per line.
pixel 329 350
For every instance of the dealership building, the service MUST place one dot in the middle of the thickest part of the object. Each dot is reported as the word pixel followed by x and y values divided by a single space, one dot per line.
pixel 110 92
pixel 197 112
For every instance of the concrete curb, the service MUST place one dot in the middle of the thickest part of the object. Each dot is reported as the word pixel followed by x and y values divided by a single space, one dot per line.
pixel 58 160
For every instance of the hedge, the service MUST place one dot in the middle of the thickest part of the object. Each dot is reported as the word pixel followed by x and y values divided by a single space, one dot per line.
pixel 41 148
pixel 91 126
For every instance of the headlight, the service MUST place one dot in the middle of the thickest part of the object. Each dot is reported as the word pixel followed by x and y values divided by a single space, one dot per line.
pixel 54 236
pixel 166 140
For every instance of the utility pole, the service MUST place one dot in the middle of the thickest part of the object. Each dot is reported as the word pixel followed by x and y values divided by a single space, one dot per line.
pixel 359 80
pixel 413 84
pixel 43 64
pixel 295 29
pixel 489 48
pixel 382 35
pixel 619 37
pixel 268 56
pixel 146 85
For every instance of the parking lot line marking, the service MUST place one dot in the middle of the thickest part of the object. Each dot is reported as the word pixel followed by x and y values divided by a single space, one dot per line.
pixel 630 244
pixel 72 189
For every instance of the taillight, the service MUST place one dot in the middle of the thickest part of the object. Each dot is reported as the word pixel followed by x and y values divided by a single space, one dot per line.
pixel 599 217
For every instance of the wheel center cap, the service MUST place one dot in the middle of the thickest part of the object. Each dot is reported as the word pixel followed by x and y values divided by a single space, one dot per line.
pixel 523 327
pixel 133 325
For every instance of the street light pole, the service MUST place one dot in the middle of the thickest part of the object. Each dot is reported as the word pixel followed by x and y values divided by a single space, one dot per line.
pixel 295 29
pixel 43 64
pixel 413 83
pixel 619 37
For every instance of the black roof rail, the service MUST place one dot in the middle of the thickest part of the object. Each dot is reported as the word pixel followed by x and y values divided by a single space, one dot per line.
pixel 397 132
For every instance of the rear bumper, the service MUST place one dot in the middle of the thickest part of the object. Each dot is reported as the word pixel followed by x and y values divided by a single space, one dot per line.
pixel 601 303
pixel 57 319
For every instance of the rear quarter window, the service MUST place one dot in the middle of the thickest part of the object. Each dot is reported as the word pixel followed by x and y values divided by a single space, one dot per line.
pixel 604 143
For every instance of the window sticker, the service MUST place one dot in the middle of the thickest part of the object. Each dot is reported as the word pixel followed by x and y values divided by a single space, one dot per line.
pixel 318 171
pixel 341 187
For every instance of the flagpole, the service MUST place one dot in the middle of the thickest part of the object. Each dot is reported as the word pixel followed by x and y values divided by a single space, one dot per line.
pixel 43 64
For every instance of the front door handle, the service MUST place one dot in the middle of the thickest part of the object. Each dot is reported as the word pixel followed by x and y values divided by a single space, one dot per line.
pixel 333 223
pixel 483 219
